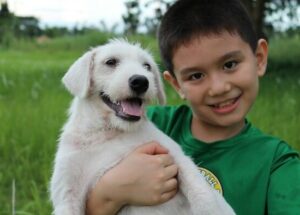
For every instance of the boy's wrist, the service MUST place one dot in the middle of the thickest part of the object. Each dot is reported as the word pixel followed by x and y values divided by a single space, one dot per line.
pixel 103 207
pixel 100 201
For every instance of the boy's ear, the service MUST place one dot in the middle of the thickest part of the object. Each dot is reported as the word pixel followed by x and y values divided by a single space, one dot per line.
pixel 261 54
pixel 174 83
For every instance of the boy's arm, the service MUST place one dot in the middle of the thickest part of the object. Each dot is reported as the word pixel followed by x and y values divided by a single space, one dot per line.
pixel 284 186
pixel 146 177
pixel 99 205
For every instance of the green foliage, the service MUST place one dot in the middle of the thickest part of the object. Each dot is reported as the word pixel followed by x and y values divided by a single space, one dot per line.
pixel 7 38
pixel 7 21
pixel 77 43
pixel 285 54
pixel 152 23
pixel 132 17
pixel 13 27
pixel 33 106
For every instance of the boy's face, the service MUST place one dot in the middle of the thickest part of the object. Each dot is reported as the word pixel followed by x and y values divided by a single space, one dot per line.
pixel 218 76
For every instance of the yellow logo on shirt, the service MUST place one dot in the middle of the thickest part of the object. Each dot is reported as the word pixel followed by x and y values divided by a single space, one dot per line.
pixel 211 179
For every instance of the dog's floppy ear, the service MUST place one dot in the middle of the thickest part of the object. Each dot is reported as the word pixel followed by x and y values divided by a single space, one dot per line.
pixel 160 87
pixel 78 78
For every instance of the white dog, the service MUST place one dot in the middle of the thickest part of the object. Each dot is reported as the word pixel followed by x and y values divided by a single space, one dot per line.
pixel 111 84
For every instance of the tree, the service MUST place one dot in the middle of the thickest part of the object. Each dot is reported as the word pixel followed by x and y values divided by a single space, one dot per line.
pixel 4 12
pixel 12 26
pixel 7 23
pixel 260 9
pixel 27 26
pixel 131 19
pixel 160 6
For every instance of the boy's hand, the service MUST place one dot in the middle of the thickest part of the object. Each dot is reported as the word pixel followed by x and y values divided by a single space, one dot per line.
pixel 147 176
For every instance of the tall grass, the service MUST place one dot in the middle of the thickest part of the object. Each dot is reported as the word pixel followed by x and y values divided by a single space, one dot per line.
pixel 33 105
pixel 32 110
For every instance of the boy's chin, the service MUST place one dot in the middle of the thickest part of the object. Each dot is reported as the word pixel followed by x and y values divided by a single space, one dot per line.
pixel 237 122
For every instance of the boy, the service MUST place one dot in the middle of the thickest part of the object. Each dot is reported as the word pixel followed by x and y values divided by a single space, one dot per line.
pixel 214 61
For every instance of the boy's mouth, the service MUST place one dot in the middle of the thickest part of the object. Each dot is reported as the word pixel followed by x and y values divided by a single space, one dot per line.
pixel 226 106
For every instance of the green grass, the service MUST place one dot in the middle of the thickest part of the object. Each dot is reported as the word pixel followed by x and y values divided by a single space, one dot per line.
pixel 32 109
pixel 277 108
pixel 285 54
pixel 33 105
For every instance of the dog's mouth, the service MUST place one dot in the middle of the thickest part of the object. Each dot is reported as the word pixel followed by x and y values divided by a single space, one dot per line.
pixel 130 109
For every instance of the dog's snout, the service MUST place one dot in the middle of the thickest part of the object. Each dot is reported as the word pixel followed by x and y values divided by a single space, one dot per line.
pixel 138 83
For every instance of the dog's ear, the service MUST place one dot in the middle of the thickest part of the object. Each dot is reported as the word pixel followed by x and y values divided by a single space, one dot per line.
pixel 160 87
pixel 78 79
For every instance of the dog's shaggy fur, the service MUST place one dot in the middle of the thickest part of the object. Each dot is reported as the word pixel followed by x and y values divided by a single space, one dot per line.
pixel 111 85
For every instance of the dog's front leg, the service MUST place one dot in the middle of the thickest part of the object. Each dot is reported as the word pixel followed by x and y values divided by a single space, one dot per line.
pixel 67 202
pixel 202 197
pixel 66 209
pixel 68 191
pixel 68 199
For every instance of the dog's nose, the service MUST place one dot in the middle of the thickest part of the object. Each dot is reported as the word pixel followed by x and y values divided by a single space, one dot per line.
pixel 138 83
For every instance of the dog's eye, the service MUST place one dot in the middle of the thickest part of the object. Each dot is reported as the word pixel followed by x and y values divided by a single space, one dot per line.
pixel 147 66
pixel 112 62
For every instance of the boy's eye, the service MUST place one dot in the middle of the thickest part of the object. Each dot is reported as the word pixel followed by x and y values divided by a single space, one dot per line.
pixel 230 65
pixel 196 76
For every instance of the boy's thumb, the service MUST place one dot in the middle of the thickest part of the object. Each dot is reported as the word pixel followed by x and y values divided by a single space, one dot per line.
pixel 153 148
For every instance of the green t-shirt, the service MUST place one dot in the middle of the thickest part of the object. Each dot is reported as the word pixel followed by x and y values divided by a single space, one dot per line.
pixel 256 173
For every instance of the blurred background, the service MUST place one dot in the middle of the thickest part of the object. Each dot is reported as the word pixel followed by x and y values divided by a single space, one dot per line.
pixel 40 39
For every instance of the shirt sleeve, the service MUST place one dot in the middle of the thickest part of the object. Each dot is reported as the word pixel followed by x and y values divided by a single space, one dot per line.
pixel 284 186
pixel 158 115
pixel 162 117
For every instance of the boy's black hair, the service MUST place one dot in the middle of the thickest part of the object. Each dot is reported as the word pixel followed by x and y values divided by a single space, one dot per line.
pixel 187 19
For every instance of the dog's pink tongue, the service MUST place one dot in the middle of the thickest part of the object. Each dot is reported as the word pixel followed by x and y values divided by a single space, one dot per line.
pixel 132 108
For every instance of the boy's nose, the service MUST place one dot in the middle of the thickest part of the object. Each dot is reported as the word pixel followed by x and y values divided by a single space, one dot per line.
pixel 218 87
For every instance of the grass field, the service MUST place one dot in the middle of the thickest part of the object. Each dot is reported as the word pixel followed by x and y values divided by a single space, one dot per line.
pixel 33 106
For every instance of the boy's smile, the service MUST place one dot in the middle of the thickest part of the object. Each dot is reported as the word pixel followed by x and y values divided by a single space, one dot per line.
pixel 218 75
pixel 226 106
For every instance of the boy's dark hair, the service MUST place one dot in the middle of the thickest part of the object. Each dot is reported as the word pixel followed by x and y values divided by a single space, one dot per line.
pixel 187 19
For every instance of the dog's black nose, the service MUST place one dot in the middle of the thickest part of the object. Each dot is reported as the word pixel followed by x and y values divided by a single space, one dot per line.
pixel 138 83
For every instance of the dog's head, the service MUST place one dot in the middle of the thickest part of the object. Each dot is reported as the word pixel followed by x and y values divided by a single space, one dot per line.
pixel 122 76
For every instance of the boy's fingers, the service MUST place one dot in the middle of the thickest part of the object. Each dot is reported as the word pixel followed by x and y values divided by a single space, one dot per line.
pixel 171 171
pixel 165 160
pixel 168 195
pixel 152 148
pixel 160 150
pixel 171 185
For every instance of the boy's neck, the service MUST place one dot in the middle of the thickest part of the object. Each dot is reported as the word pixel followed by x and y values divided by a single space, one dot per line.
pixel 210 133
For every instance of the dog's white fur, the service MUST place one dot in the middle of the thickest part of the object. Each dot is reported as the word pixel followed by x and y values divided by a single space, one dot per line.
pixel 94 139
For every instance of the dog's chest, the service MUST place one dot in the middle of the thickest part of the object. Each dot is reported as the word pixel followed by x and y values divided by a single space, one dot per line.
pixel 95 153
